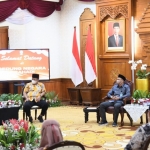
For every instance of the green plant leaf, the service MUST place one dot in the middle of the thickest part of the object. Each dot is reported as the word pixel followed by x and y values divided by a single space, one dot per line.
pixel 138 94
pixel 142 74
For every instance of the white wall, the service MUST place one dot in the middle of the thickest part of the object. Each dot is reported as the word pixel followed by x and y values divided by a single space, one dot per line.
pixel 54 32
pixel 71 12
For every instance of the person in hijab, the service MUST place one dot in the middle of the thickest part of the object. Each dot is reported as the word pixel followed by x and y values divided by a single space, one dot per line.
pixel 138 139
pixel 50 134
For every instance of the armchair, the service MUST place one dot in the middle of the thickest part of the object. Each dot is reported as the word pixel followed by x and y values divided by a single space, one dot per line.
pixel 110 109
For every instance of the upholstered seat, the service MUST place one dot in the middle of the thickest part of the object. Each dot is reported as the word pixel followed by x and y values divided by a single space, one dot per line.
pixel 86 111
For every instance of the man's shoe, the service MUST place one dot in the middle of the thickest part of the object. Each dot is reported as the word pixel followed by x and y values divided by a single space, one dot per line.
pixel 103 123
pixel 40 118
pixel 30 119
pixel 114 124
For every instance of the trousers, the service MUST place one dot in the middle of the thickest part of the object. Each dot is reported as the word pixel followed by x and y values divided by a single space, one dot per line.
pixel 104 105
pixel 28 104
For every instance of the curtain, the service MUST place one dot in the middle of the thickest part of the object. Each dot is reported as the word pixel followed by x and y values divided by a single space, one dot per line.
pixel 38 8
pixel 20 16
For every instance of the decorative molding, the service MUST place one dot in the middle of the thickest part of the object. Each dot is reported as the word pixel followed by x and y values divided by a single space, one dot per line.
pixel 113 11
pixel 144 30
pixel 87 14
pixel 114 74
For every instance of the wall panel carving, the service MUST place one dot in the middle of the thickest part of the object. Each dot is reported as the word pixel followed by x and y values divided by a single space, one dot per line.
pixel 113 11
pixel 112 63
pixel 111 69
pixel 144 33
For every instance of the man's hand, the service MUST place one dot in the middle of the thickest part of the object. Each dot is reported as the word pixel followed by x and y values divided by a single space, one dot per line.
pixel 38 99
pixel 26 100
pixel 115 97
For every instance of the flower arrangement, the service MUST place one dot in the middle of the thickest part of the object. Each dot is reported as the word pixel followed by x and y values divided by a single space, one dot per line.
pixel 9 100
pixel 18 135
pixel 10 103
pixel 135 101
pixel 52 99
pixel 141 73
pixel 140 97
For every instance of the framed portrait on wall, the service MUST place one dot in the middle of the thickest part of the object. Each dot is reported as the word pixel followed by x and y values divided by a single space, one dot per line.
pixel 115 35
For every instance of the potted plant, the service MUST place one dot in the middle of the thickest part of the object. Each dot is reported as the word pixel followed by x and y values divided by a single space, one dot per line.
pixel 140 96
pixel 11 99
pixel 142 81
pixel 52 99
pixel 18 135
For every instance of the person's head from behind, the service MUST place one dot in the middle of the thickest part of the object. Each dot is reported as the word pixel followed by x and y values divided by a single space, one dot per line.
pixel 50 133
pixel 120 79
pixel 35 78
pixel 116 28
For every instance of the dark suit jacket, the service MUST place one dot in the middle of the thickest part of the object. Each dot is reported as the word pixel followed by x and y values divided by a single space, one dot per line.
pixel 112 42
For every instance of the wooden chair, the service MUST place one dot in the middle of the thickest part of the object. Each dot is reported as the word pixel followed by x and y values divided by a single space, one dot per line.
pixel 33 108
pixel 110 109
pixel 66 145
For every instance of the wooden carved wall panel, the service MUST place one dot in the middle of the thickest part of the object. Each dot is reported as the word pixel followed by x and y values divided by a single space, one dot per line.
pixel 111 63
pixel 82 55
pixel 144 31
pixel 87 19
pixel 113 11
pixel 4 37
pixel 110 71
pixel 86 25
pixel 87 14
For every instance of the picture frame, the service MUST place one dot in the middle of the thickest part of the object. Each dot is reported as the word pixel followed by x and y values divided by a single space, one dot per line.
pixel 114 43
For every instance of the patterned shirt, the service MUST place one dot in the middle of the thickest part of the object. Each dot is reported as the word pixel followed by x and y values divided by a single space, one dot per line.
pixel 34 90
pixel 138 139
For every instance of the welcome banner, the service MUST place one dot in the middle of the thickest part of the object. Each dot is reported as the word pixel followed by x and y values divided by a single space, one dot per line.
pixel 19 64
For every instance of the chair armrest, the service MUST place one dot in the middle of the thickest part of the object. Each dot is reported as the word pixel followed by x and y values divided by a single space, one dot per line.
pixel 105 98
pixel 127 100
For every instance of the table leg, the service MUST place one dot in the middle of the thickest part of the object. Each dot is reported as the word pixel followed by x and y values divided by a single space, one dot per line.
pixel 141 120
pixel 147 116
pixel 86 116
pixel 131 121
pixel 98 116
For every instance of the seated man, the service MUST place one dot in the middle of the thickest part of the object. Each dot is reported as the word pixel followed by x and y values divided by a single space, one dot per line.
pixel 118 92
pixel 33 93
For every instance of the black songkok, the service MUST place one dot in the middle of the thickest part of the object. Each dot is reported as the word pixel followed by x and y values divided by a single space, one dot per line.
pixel 35 75
pixel 122 77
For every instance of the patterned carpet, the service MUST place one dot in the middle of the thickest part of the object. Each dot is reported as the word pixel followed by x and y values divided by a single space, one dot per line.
pixel 90 134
